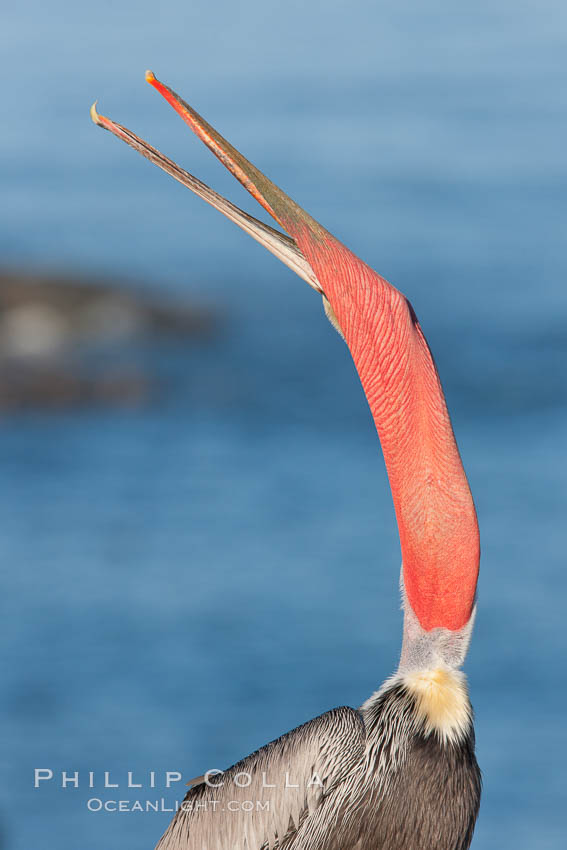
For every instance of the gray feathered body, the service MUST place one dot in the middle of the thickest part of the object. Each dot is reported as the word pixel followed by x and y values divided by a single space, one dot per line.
pixel 373 779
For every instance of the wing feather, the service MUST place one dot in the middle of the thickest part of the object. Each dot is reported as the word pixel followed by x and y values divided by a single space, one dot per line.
pixel 266 797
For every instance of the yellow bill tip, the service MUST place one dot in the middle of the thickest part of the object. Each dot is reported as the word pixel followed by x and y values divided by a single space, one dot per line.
pixel 150 77
pixel 94 114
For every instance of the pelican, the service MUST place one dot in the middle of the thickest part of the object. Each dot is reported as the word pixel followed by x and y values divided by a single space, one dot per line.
pixel 400 772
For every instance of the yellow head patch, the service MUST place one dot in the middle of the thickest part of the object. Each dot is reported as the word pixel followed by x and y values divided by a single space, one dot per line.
pixel 442 701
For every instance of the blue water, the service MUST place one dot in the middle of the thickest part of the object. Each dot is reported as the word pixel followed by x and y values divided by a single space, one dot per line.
pixel 186 581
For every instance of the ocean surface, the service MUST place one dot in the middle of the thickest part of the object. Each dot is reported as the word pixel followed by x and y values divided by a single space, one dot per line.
pixel 186 580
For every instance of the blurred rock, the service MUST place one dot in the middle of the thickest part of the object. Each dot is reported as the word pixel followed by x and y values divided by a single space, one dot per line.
pixel 56 334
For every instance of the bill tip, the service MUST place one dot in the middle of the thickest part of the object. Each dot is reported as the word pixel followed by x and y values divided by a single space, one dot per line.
pixel 94 113
pixel 150 77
